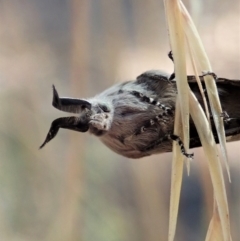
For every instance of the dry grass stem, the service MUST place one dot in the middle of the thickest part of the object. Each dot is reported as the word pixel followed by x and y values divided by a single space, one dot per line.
pixel 182 34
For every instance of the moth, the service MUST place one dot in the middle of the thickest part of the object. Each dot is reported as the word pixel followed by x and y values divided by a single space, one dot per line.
pixel 136 118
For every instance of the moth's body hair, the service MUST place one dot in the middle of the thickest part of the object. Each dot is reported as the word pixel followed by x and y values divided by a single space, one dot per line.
pixel 136 118
pixel 132 110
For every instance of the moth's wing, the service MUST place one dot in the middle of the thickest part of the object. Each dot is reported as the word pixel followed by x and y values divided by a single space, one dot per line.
pixel 219 81
pixel 232 133
pixel 229 92
pixel 224 81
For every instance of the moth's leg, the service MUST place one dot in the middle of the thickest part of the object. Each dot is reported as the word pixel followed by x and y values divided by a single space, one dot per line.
pixel 170 55
pixel 161 119
pixel 231 125
pixel 172 76
pixel 180 143
pixel 167 109
pixel 226 118
pixel 163 139
pixel 71 123
pixel 221 80
pixel 166 138
pixel 69 104
pixel 210 73
pixel 192 78
pixel 101 121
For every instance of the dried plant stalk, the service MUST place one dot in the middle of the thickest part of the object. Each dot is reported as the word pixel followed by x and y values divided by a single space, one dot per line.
pixel 180 25
pixel 176 177
pixel 198 53
pixel 182 112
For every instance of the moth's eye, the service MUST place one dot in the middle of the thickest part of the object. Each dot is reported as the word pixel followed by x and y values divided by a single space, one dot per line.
pixel 104 108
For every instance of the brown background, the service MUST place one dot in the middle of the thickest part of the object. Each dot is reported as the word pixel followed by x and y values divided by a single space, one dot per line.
pixel 76 188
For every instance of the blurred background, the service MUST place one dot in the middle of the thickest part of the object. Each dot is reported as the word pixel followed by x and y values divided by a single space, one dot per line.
pixel 75 188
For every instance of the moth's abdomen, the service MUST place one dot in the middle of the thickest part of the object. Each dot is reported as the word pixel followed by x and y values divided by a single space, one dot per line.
pixel 138 123
pixel 137 135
